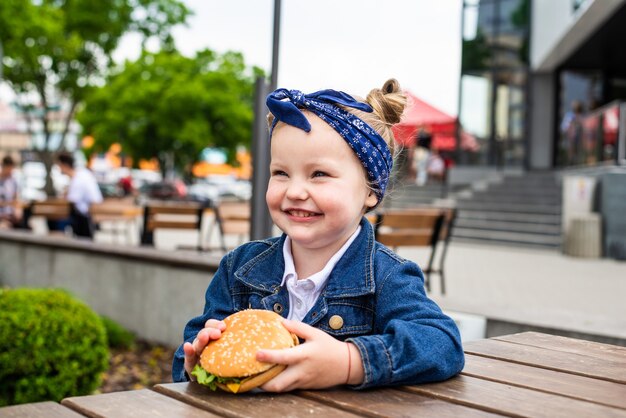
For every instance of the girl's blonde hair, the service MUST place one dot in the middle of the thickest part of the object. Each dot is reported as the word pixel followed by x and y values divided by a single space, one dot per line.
pixel 388 103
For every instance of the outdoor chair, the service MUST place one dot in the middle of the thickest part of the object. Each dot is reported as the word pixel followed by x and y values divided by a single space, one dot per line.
pixel 117 217
pixel 233 218
pixel 418 227
pixel 444 239
pixel 171 215
pixel 53 211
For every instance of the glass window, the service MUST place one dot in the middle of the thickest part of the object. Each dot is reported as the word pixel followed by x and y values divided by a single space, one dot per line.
pixel 494 70
pixel 475 105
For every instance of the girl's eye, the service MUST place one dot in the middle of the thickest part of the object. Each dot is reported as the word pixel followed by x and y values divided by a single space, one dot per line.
pixel 319 174
pixel 278 173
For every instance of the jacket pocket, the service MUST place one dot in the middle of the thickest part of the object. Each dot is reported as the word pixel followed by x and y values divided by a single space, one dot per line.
pixel 347 318
pixel 247 298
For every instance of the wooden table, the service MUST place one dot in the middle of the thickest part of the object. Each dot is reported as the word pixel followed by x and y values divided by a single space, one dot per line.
pixel 520 375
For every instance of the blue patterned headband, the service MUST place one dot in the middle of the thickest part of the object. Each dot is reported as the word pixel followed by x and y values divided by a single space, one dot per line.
pixel 367 144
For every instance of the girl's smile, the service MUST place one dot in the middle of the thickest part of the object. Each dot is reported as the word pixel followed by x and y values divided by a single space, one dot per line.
pixel 317 193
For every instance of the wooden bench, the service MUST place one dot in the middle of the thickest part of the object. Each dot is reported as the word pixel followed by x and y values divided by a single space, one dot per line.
pixel 115 214
pixel 418 227
pixel 171 215
pixel 52 210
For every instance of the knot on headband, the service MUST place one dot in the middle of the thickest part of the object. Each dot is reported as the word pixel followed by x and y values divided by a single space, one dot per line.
pixel 370 148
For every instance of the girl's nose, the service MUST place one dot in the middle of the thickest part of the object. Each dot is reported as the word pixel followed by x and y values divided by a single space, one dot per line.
pixel 296 190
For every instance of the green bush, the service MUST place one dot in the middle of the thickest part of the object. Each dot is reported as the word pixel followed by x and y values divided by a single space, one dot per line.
pixel 117 335
pixel 51 346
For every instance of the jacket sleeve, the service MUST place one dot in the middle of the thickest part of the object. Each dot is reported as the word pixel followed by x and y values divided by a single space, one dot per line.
pixel 413 342
pixel 218 305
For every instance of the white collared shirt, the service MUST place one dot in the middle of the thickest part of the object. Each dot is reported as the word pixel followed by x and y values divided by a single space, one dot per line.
pixel 83 190
pixel 303 293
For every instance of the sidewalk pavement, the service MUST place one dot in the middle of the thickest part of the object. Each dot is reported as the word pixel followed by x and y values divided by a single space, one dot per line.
pixel 535 287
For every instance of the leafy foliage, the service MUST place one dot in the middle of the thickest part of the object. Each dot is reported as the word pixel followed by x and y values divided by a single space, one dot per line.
pixel 207 379
pixel 55 51
pixel 168 105
pixel 117 335
pixel 476 54
pixel 51 346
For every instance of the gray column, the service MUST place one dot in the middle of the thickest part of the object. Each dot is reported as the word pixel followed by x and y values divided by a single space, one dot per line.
pixel 541 131
pixel 261 223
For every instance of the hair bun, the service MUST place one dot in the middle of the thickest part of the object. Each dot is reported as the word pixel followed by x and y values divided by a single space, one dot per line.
pixel 388 102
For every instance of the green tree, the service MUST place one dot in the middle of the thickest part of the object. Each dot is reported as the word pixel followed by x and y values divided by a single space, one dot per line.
pixel 169 106
pixel 55 51
pixel 475 53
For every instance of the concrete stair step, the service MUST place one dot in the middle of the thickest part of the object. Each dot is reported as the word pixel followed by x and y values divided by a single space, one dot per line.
pixel 529 178
pixel 390 204
pixel 508 237
pixel 530 191
pixel 530 181
pixel 402 195
pixel 464 204
pixel 512 244
pixel 497 198
pixel 517 217
pixel 526 227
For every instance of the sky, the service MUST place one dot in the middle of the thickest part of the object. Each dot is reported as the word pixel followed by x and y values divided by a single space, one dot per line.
pixel 349 45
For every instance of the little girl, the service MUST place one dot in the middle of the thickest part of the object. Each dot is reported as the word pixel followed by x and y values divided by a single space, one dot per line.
pixel 360 308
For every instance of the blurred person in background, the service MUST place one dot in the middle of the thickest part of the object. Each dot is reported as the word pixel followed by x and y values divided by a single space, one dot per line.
pixel 82 192
pixel 421 154
pixel 126 185
pixel 572 133
pixel 436 166
pixel 10 212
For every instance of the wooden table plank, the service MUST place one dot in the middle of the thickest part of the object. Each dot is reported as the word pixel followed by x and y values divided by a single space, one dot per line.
pixel 392 403
pixel 133 404
pixel 38 410
pixel 259 404
pixel 549 381
pixel 549 359
pixel 511 400
pixel 569 345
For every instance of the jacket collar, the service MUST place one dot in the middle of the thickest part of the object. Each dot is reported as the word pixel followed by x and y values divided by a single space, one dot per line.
pixel 349 278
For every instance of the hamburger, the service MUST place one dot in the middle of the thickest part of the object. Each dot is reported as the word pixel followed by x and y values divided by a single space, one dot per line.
pixel 229 363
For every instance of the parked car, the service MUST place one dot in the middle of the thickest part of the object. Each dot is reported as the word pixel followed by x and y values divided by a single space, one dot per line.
pixel 225 187
pixel 207 194
pixel 164 190
pixel 110 190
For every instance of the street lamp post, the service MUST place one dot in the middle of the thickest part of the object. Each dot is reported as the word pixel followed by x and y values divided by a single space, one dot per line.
pixel 261 223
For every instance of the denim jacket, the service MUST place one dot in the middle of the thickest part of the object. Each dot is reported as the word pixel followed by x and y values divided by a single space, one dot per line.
pixel 402 335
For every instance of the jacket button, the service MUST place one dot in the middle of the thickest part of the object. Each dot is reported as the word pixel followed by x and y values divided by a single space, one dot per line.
pixel 335 322
pixel 278 308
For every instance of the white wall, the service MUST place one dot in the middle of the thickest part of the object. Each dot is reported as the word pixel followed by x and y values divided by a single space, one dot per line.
pixel 557 30
pixel 550 20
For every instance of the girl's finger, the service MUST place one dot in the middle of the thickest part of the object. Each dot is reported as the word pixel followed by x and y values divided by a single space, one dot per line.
pixel 284 382
pixel 214 323
pixel 190 352
pixel 283 356
pixel 302 330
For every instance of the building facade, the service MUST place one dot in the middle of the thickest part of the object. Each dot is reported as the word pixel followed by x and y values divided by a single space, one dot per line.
pixel 543 82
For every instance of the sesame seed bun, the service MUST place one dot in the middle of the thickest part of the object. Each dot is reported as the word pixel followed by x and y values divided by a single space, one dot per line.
pixel 233 355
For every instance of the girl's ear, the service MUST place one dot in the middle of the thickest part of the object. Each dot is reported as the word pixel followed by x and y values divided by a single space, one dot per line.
pixel 371 199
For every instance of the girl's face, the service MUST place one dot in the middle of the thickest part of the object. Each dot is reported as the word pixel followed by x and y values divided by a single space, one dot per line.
pixel 317 191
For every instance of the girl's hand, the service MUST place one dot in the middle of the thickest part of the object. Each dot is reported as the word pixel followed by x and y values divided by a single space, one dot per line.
pixel 212 331
pixel 321 362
